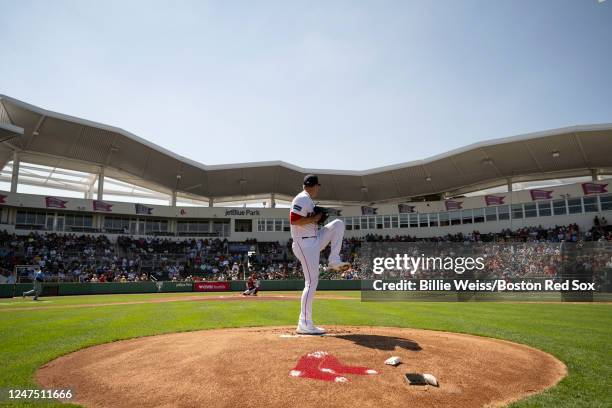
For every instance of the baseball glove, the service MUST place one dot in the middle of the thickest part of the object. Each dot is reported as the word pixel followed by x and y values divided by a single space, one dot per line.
pixel 324 214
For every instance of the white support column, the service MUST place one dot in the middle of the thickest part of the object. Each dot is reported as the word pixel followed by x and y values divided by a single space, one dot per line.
pixel 97 221
pixel 211 202
pixel 509 180
pixel 232 228
pixel 12 216
pixel 272 201
pixel 595 175
pixel 176 187
pixel 101 184
pixel 15 175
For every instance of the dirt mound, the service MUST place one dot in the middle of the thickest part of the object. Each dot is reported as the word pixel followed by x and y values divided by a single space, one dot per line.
pixel 254 367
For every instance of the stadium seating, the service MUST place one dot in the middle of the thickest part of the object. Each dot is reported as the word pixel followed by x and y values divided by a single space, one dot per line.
pixel 70 257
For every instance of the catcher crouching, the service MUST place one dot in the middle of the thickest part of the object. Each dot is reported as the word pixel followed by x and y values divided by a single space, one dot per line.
pixel 252 286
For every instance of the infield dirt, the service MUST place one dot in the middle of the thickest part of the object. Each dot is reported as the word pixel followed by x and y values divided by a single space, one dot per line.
pixel 250 367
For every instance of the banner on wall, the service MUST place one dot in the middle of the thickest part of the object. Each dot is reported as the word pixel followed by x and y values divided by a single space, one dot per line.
pixel 143 209
pixel 102 206
pixel 368 210
pixel 540 194
pixel 211 286
pixel 54 202
pixel 494 200
pixel 2 199
pixel 453 205
pixel 405 208
pixel 594 188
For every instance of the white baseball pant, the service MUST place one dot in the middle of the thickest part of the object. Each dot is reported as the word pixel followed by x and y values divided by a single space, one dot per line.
pixel 308 251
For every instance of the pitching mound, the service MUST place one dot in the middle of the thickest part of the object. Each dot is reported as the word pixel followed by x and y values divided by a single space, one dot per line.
pixel 271 367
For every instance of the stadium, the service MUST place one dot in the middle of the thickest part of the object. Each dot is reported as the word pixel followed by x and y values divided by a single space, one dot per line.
pixel 143 233
pixel 465 195
pixel 305 204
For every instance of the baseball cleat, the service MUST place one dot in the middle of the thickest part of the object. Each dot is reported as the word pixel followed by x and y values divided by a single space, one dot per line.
pixel 309 330
pixel 339 266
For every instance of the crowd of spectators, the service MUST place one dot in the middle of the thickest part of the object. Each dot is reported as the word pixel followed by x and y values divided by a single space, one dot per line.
pixel 600 231
pixel 568 233
pixel 521 253
pixel 67 257
pixel 94 258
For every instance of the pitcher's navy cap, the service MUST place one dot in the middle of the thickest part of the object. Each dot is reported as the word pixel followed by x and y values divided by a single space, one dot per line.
pixel 311 180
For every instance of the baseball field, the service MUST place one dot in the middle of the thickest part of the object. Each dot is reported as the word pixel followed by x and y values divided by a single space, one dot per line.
pixel 35 333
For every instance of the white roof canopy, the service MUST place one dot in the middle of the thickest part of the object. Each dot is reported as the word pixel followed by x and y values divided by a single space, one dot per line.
pixel 56 140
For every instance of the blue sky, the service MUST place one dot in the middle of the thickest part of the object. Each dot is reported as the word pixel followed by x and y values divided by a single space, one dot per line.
pixel 335 85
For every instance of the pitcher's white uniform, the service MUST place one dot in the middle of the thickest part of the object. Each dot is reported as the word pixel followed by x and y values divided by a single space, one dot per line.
pixel 308 242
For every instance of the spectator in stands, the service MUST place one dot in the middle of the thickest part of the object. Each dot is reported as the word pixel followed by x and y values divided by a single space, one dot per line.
pixel 80 258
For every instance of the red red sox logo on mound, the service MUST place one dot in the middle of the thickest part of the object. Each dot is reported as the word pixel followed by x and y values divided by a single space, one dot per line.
pixel 320 365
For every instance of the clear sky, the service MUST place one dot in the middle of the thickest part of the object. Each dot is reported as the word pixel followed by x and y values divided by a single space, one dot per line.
pixel 330 84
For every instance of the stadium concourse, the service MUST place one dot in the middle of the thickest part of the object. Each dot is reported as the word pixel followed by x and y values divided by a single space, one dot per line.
pixel 97 258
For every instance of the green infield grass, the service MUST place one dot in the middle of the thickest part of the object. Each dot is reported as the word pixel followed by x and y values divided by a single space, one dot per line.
pixel 580 335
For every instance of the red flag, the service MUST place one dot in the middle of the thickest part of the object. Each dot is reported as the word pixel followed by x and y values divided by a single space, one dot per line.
pixel 540 194
pixel 102 206
pixel 594 188
pixel 54 202
pixel 494 200
pixel 368 210
pixel 143 209
pixel 405 208
pixel 453 205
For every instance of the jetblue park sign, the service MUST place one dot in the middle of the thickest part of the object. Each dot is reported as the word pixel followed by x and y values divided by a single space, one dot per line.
pixel 235 212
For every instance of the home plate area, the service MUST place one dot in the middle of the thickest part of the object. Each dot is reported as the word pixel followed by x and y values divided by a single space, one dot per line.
pixel 273 367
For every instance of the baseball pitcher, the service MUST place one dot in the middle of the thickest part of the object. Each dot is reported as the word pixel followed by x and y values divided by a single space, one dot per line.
pixel 308 242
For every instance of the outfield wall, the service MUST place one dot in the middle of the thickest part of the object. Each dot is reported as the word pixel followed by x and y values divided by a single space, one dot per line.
pixel 66 289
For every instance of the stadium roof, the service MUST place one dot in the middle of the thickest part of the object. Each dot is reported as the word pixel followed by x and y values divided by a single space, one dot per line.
pixel 52 139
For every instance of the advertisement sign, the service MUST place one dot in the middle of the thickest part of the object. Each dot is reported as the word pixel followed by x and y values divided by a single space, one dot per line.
pixel 211 286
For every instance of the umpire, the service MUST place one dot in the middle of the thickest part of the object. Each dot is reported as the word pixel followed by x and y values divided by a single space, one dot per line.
pixel 39 278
